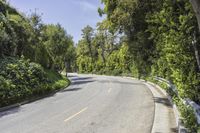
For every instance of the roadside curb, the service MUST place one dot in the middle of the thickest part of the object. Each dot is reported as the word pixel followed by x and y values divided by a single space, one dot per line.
pixel 16 105
pixel 160 114
pixel 181 128
pixel 164 117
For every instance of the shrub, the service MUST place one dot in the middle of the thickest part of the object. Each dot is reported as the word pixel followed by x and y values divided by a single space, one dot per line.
pixel 20 79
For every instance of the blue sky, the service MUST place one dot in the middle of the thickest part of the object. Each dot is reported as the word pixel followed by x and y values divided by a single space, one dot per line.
pixel 73 15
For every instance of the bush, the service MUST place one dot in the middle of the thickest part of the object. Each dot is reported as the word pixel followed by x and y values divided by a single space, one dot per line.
pixel 57 81
pixel 21 79
pixel 189 119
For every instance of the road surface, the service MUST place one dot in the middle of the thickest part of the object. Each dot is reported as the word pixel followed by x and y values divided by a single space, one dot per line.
pixel 91 104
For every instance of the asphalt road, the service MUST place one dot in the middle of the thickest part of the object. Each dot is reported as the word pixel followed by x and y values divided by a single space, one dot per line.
pixel 92 104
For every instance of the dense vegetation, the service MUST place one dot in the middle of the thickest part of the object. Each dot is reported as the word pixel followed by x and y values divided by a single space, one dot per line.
pixel 102 53
pixel 32 55
pixel 21 79
pixel 147 38
pixel 142 38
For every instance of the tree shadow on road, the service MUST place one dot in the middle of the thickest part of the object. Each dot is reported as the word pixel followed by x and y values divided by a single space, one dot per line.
pixel 81 82
pixel 10 111
pixel 82 78
pixel 71 89
pixel 163 101
pixel 120 82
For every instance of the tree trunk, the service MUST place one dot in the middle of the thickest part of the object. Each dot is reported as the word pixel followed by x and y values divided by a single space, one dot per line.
pixel 14 51
pixel 197 55
pixel 196 8
pixel 194 43
pixel 66 70
pixel 103 52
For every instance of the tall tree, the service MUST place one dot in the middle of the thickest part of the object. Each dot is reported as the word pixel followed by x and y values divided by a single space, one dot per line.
pixel 88 36
pixel 36 42
pixel 129 17
pixel 14 33
pixel 57 42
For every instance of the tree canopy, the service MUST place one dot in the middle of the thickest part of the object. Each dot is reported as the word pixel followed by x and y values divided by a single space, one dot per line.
pixel 140 38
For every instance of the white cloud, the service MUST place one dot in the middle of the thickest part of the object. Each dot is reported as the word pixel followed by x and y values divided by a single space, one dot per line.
pixel 86 6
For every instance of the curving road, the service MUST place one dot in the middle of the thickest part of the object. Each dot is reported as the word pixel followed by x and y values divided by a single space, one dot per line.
pixel 91 104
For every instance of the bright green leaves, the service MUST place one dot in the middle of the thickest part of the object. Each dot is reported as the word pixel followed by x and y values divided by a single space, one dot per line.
pixel 176 61
pixel 29 37
pixel 24 38
pixel 56 40
pixel 86 50
pixel 99 52
pixel 163 40
pixel 19 79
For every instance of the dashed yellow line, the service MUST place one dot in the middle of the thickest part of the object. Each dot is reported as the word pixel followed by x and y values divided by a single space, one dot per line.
pixel 71 117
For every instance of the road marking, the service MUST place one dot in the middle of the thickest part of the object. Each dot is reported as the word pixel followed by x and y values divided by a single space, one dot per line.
pixel 69 118
pixel 109 90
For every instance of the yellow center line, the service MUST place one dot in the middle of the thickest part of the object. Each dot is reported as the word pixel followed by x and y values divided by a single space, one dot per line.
pixel 69 118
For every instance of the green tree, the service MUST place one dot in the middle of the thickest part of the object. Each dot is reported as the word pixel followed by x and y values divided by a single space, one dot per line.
pixel 87 37
pixel 129 17
pixel 56 42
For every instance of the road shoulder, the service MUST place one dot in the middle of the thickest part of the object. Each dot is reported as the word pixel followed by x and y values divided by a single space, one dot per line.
pixel 164 118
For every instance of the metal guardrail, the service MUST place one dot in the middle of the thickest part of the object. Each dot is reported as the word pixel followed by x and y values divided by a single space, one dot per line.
pixel 169 84
pixel 195 107
pixel 187 101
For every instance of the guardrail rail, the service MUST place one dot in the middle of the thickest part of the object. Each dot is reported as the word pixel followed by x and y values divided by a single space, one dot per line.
pixel 185 101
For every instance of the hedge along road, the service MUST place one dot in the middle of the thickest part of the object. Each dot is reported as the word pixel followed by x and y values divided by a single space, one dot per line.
pixel 91 104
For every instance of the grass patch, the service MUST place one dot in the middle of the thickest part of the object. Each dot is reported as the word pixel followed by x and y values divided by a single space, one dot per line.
pixel 57 80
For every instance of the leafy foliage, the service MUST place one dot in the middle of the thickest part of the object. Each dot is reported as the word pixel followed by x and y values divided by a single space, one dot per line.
pixel 108 55
pixel 141 37
pixel 20 79
pixel 23 41
pixel 48 45
pixel 163 39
